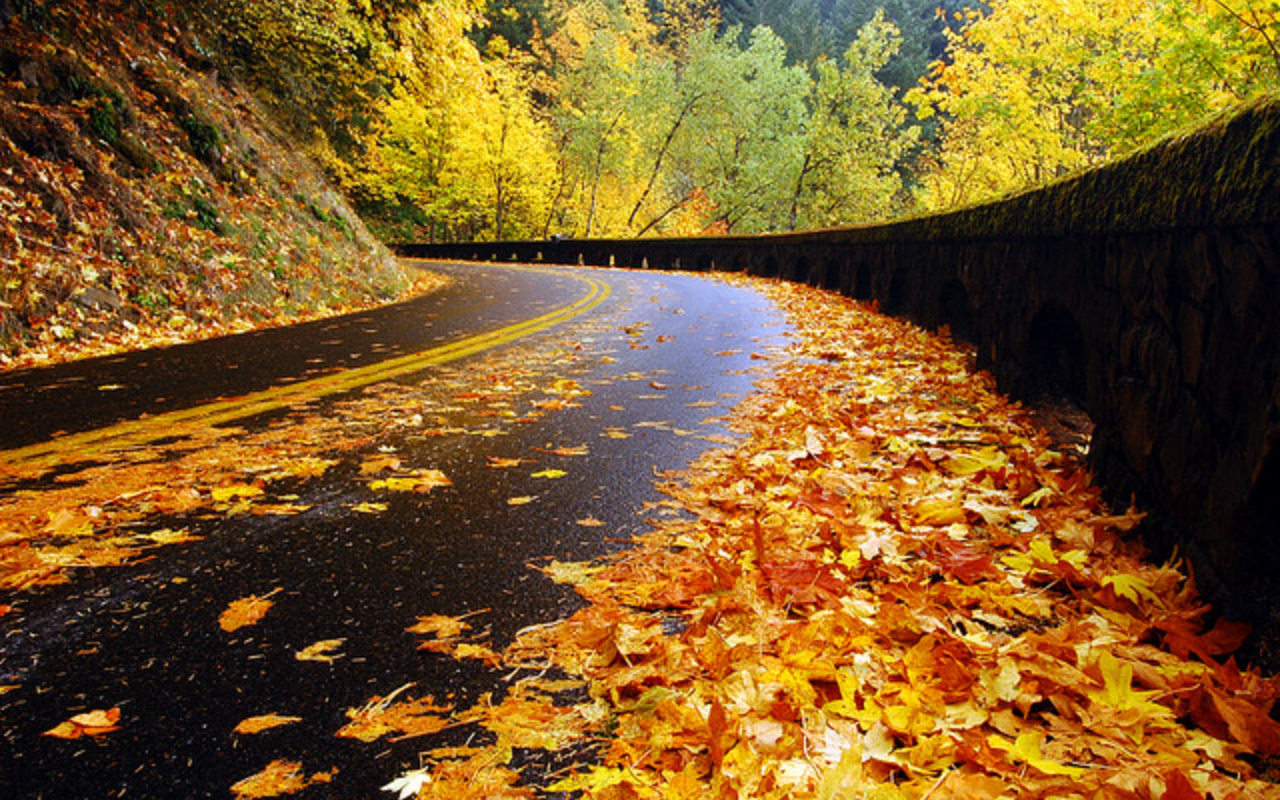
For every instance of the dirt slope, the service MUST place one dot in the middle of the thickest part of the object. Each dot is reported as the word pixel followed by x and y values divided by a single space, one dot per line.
pixel 146 197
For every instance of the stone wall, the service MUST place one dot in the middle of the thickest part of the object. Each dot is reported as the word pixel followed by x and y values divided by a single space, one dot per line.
pixel 1147 291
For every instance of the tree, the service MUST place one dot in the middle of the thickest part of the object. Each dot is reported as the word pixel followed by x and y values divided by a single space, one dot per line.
pixel 856 137
pixel 1034 89
pixel 743 143
pixel 458 142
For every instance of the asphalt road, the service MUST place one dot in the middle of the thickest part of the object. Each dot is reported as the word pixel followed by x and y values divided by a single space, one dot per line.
pixel 660 355
pixel 37 404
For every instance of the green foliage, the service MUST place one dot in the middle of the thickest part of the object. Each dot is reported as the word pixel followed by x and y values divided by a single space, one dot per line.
pixel 1035 89
pixel 104 122
pixel 204 138
pixel 857 137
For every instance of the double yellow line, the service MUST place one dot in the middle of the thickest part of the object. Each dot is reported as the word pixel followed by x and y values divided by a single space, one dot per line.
pixel 140 432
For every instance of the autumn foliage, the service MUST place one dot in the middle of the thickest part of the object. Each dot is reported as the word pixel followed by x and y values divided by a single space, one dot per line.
pixel 897 586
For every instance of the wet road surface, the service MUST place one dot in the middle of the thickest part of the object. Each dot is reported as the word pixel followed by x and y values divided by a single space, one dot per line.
pixel 36 404
pixel 660 356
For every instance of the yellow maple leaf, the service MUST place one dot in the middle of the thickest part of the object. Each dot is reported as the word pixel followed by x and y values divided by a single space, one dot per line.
pixel 989 459
pixel 245 611
pixel 1026 750
pixel 423 480
pixel 277 778
pixel 90 723
pixel 439 625
pixel 1118 691
pixel 226 494
pixel 1131 587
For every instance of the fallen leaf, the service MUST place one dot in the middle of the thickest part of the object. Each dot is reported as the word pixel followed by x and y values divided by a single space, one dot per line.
pixel 410 784
pixel 277 778
pixel 264 722
pixel 381 716
pixel 423 480
pixel 441 625
pixel 321 651
pixel 90 723
pixel 383 462
pixel 1026 750
pixel 503 463
pixel 580 450
pixel 226 494
pixel 478 652
pixel 246 611
pixel 549 473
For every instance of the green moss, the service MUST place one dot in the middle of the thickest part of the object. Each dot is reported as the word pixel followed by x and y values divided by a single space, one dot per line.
pixel 203 137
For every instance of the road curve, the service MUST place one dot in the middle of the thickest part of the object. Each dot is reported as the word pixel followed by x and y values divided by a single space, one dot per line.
pixel 661 355
pixel 38 404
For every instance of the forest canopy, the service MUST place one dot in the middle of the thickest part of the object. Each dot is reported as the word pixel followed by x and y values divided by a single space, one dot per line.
pixel 479 119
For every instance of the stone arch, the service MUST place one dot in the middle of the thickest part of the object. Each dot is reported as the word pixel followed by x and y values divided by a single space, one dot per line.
pixel 955 308
pixel 1260 527
pixel 862 289
pixel 831 275
pixel 1057 360
pixel 896 301
pixel 1245 557
pixel 799 270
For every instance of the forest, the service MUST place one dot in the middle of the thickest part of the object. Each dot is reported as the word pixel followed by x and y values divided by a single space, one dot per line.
pixel 171 168
pixel 467 119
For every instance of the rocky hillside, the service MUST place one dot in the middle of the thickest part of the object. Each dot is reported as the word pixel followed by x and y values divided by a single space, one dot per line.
pixel 146 197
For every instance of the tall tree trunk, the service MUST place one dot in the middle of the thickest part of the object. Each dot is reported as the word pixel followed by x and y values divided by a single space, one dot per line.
pixel 795 196
pixel 595 178
pixel 657 165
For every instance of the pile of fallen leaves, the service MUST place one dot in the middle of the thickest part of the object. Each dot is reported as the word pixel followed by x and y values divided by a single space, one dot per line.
pixel 895 587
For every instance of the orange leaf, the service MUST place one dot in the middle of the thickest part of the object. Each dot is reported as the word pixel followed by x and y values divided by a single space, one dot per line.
pixel 717 724
pixel 277 778
pixel 245 611
pixel 90 723
pixel 264 722
pixel 1178 787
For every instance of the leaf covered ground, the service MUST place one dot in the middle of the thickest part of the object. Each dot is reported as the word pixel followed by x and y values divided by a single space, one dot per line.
pixel 894 587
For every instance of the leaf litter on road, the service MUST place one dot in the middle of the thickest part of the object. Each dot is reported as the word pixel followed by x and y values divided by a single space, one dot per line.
pixel 264 722
pixel 893 585
pixel 890 584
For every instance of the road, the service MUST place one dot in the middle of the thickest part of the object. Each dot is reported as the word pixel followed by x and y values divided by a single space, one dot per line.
pixel 549 399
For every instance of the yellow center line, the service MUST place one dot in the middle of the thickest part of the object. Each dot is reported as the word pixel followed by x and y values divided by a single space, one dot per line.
pixel 140 432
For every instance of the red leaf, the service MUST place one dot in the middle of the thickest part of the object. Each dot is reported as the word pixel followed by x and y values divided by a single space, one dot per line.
pixel 717 724
pixel 1178 787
